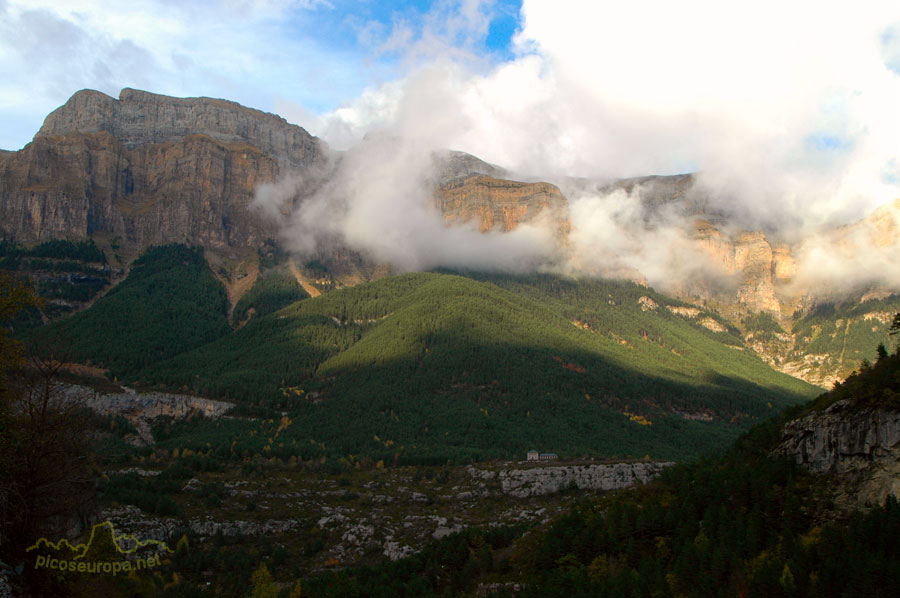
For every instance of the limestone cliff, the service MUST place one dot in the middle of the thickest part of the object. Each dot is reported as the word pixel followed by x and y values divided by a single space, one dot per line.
pixel 148 169
pixel 499 204
pixel 138 118
pixel 820 329
pixel 833 327
pixel 142 409
pixel 860 447
pixel 746 268
pixel 756 266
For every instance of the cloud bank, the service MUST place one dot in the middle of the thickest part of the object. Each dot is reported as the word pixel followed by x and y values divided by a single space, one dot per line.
pixel 378 200
pixel 788 113
pixel 852 258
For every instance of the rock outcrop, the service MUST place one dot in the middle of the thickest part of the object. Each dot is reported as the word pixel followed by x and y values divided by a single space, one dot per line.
pixel 149 405
pixel 157 404
pixel 137 523
pixel 861 447
pixel 755 265
pixel 395 513
pixel 535 481
pixel 140 409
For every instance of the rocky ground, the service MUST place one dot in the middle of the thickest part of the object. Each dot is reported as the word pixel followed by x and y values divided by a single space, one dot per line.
pixel 336 520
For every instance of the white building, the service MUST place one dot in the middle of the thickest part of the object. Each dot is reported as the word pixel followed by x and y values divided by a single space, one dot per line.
pixel 533 455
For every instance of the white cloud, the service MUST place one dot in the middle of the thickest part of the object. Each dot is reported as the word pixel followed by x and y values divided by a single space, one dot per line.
pixel 852 258
pixel 788 110
pixel 614 235
pixel 379 199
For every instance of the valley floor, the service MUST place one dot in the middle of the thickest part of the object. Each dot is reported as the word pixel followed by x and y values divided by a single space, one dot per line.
pixel 319 520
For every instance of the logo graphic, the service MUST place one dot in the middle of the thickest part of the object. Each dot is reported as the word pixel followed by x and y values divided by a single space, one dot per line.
pixel 105 553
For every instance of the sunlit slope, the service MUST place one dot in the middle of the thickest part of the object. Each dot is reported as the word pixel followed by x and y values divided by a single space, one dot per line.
pixel 661 334
pixel 444 365
pixel 833 340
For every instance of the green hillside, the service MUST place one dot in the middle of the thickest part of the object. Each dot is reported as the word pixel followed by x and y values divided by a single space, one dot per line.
pixel 432 366
pixel 428 367
pixel 750 522
pixel 169 303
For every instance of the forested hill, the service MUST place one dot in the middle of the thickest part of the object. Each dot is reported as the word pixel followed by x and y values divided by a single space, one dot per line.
pixel 441 366
pixel 170 303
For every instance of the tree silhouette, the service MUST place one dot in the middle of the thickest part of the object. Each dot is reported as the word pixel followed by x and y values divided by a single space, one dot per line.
pixel 895 325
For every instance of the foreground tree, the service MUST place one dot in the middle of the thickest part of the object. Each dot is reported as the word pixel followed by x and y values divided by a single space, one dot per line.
pixel 15 296
pixel 47 478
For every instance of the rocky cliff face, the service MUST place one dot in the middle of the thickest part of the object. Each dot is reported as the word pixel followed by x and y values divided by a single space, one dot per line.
pixel 499 204
pixel 860 447
pixel 752 273
pixel 138 118
pixel 148 169
pixel 839 326
pixel 751 259
pixel 750 268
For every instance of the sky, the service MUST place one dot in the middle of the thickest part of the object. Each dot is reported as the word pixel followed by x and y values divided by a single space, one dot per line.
pixel 790 111
pixel 304 55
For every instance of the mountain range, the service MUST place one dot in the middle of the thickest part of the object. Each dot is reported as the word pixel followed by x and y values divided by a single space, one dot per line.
pixel 146 169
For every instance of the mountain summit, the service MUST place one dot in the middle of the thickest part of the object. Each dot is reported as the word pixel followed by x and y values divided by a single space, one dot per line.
pixel 139 117
pixel 148 169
